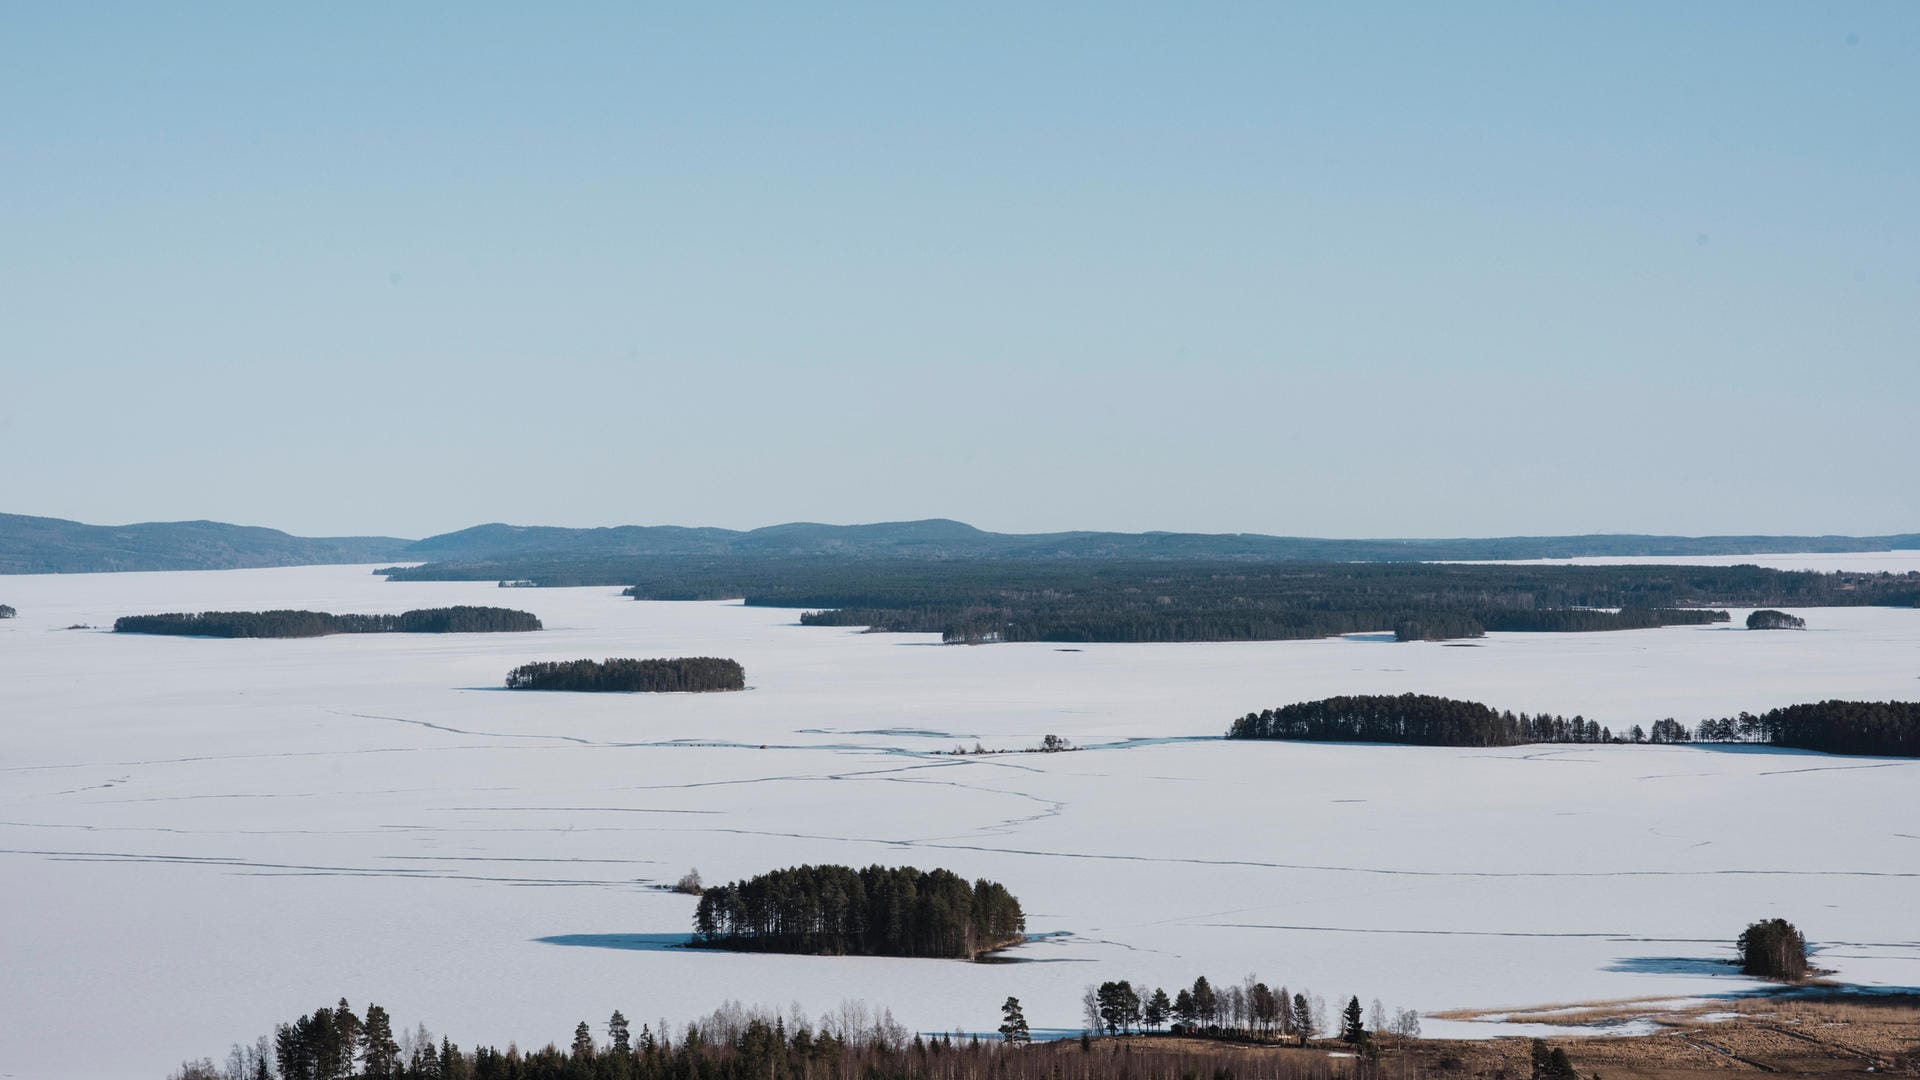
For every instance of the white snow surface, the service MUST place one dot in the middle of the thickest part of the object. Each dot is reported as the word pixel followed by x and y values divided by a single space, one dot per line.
pixel 200 838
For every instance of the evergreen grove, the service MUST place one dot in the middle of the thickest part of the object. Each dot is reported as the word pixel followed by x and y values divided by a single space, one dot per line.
pixel 298 624
pixel 686 674
pixel 1888 728
pixel 877 911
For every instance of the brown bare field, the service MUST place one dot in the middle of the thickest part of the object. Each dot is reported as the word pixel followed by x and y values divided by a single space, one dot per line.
pixel 1785 1036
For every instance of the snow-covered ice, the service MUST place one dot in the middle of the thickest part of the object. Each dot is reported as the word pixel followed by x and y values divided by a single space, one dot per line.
pixel 200 838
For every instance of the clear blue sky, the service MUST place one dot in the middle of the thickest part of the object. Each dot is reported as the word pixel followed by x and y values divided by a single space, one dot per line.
pixel 1410 269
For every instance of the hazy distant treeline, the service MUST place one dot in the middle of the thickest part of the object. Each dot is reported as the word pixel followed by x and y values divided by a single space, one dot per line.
pixel 1890 728
pixel 622 675
pixel 294 624
pixel 877 911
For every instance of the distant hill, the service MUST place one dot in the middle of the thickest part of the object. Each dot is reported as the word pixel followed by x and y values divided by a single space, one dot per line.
pixel 37 545
pixel 939 538
pixel 34 545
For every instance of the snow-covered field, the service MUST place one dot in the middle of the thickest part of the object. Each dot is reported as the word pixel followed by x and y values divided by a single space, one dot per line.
pixel 199 838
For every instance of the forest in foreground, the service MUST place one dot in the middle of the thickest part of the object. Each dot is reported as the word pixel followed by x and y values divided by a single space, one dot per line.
pixel 1241 1024
pixel 1887 728
pixel 1072 601
pixel 299 624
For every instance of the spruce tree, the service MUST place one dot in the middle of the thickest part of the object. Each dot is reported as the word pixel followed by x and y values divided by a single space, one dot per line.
pixel 1158 1008
pixel 1352 1029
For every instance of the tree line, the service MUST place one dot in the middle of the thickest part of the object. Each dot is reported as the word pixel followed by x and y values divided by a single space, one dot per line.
pixel 685 674
pixel 876 911
pixel 851 1042
pixel 1248 1010
pixel 1415 720
pixel 1139 600
pixel 298 624
pixel 1888 728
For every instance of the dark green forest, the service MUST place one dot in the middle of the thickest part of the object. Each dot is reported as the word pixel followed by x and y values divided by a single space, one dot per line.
pixel 686 674
pixel 1886 728
pixel 1415 720
pixel 299 624
pixel 1068 601
pixel 878 911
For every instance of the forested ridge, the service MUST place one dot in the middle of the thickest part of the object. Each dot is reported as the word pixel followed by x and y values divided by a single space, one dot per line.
pixel 876 911
pixel 1889 728
pixel 945 539
pixel 686 674
pixel 983 600
pixel 295 624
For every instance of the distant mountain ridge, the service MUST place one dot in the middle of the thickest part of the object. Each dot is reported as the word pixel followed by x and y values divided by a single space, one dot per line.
pixel 34 545
pixel 940 538
pixel 38 545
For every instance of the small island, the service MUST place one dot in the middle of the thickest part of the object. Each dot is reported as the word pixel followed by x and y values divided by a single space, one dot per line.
pixel 686 674
pixel 304 624
pixel 1769 619
pixel 7 612
pixel 1415 720
pixel 878 911
pixel 1773 949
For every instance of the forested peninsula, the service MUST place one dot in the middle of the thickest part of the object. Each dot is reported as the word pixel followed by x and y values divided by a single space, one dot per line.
pixel 981 600
pixel 878 911
pixel 1885 728
pixel 304 624
pixel 686 674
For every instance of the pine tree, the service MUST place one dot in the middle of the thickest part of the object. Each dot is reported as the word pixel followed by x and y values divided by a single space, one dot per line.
pixel 583 1042
pixel 1302 1018
pixel 1158 1009
pixel 1183 1010
pixel 1013 1023
pixel 618 1036
pixel 1206 1004
pixel 379 1055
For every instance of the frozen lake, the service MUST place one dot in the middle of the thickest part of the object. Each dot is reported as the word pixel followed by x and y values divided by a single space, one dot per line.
pixel 200 838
